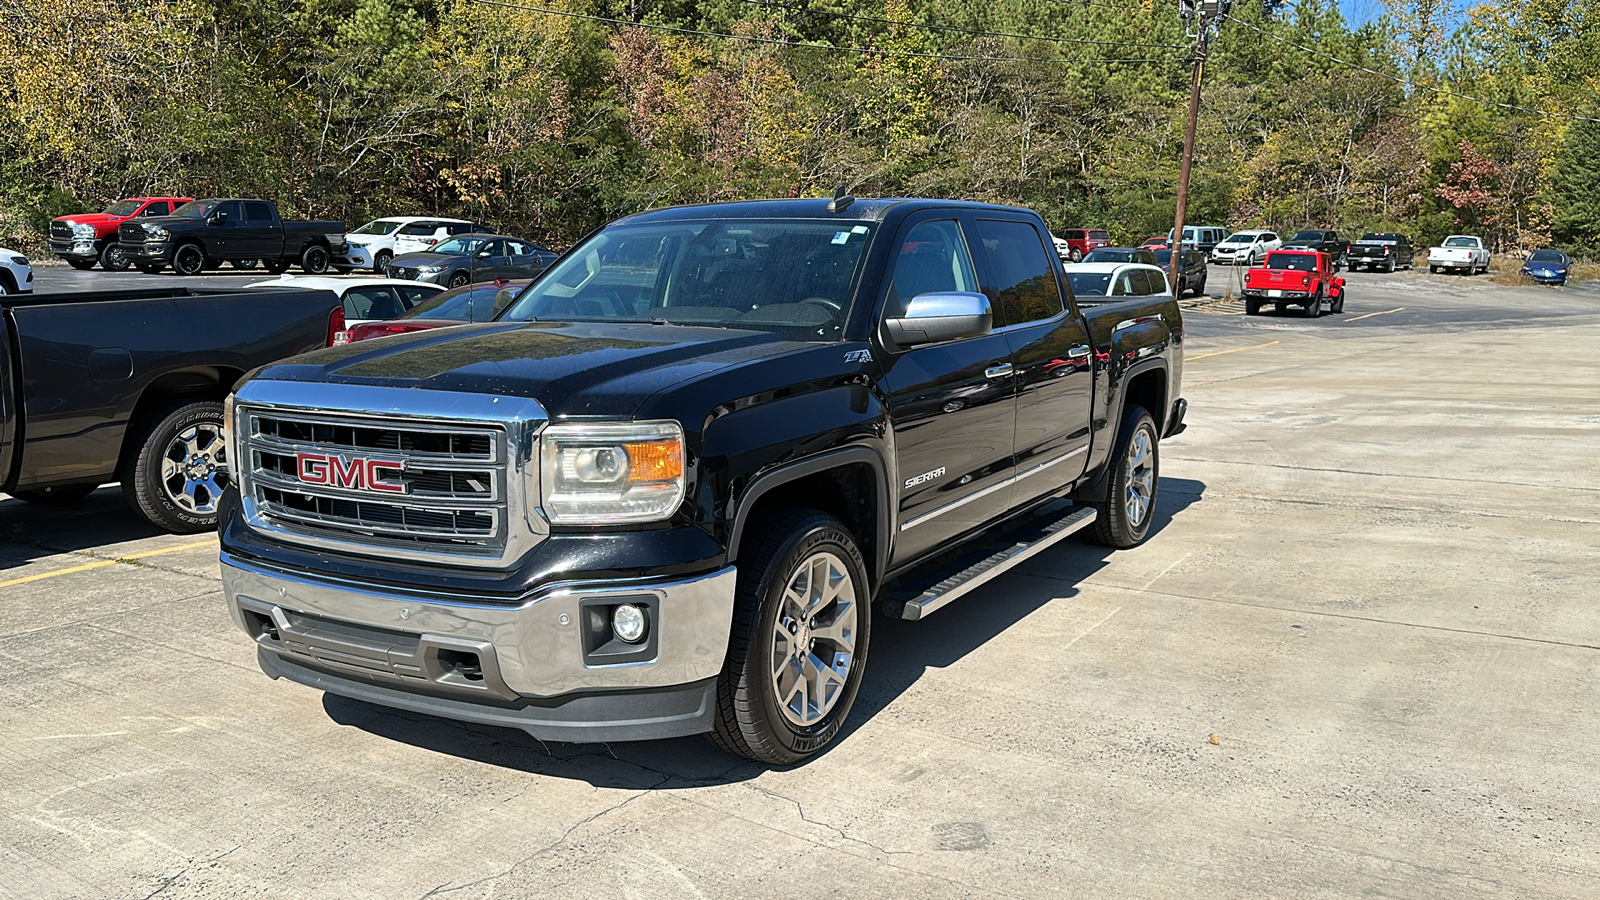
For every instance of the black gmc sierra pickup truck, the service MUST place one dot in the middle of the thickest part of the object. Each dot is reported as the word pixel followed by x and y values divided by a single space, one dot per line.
pixel 203 234
pixel 128 386
pixel 663 492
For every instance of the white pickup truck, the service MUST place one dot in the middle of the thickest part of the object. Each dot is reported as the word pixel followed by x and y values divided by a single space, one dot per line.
pixel 1461 252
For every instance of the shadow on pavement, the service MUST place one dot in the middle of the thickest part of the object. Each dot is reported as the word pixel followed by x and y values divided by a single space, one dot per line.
pixel 900 653
pixel 30 531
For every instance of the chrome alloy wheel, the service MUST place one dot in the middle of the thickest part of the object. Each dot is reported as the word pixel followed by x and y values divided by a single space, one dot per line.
pixel 814 639
pixel 194 468
pixel 1140 482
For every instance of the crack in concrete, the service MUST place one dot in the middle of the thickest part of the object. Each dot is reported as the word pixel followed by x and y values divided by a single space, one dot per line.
pixel 801 810
pixel 169 880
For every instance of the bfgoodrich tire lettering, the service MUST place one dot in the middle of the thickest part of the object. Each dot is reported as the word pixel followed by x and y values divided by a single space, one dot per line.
pixel 799 641
pixel 1128 504
pixel 178 468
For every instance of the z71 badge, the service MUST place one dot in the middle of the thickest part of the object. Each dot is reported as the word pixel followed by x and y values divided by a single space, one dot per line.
pixel 858 356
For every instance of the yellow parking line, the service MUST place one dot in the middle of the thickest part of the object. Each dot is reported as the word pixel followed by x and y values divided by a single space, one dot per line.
pixel 105 562
pixel 1192 358
pixel 1370 315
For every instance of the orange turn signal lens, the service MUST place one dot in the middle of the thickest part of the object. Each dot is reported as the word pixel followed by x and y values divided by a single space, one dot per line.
pixel 654 460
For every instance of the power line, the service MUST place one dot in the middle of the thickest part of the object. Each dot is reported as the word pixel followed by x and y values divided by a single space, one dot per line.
pixel 1406 81
pixel 952 28
pixel 798 46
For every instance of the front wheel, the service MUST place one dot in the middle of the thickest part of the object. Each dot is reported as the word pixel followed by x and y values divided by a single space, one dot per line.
pixel 314 260
pixel 380 262
pixel 460 279
pixel 179 468
pixel 798 646
pixel 112 258
pixel 1128 503
pixel 189 260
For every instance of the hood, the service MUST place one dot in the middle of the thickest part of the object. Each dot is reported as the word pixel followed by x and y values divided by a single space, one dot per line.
pixel 163 220
pixel 97 219
pixel 573 369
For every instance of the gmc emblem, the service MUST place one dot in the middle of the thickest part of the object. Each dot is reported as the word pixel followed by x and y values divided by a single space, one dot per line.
pixel 351 472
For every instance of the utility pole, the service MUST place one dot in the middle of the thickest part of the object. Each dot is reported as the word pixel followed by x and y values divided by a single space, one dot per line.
pixel 1208 12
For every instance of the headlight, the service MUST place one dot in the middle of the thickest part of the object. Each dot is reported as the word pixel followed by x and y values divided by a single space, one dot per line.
pixel 599 474
pixel 430 269
pixel 19 260
pixel 156 233
pixel 84 231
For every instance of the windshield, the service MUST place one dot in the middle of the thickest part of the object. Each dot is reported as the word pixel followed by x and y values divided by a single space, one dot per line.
pixel 195 209
pixel 1106 254
pixel 124 207
pixel 1242 237
pixel 1547 256
pixel 473 303
pixel 792 277
pixel 1310 236
pixel 1294 262
pixel 378 226
pixel 1090 284
pixel 460 245
pixel 1461 242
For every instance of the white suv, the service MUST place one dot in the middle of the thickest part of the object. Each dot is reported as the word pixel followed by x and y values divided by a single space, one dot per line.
pixel 422 234
pixel 16 273
pixel 372 245
pixel 1248 247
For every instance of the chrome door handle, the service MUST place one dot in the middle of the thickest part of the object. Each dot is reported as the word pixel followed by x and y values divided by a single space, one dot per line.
pixel 1001 371
pixel 1078 352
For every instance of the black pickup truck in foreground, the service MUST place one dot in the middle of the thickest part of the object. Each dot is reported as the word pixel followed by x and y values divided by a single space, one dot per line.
pixel 128 386
pixel 203 234
pixel 663 492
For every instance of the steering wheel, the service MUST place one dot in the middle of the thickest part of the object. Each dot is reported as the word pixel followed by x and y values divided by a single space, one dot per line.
pixel 825 301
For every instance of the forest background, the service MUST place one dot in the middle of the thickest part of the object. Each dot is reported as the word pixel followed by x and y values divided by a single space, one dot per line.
pixel 549 125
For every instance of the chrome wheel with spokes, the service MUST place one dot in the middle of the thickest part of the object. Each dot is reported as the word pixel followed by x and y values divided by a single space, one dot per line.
pixel 814 639
pixel 1140 481
pixel 194 469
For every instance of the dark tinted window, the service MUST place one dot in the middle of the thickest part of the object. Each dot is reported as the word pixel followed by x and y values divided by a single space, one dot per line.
pixel 421 228
pixel 494 248
pixel 463 228
pixel 411 296
pixel 1309 237
pixel 1023 282
pixel 933 258
pixel 1100 235
pixel 1071 234
pixel 258 212
pixel 371 303
pixel 158 208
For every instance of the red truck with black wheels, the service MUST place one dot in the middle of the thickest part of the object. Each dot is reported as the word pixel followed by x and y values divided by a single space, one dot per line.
pixel 84 239
pixel 1303 278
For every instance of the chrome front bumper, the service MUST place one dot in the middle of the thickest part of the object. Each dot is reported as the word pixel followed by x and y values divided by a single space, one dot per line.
pixel 523 659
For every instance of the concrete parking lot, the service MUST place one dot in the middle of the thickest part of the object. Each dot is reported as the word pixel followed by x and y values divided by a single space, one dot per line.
pixel 1358 658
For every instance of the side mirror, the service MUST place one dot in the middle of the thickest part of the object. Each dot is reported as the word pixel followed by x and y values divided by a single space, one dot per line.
pixel 484 254
pixel 217 218
pixel 941 316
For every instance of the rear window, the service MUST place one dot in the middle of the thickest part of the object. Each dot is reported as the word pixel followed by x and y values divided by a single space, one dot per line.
pixel 1071 234
pixel 1378 237
pixel 1100 235
pixel 422 228
pixel 1090 284
pixel 1462 242
pixel 1294 262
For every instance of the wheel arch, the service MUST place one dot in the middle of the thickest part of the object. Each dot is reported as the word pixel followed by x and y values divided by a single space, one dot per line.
pixel 172 389
pixel 849 483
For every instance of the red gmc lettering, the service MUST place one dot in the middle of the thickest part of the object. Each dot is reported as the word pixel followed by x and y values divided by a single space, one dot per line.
pixel 351 473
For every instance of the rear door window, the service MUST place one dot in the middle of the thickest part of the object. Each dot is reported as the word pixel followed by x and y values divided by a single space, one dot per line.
pixel 411 296
pixel 158 208
pixel 376 302
pixel 1020 278
pixel 258 212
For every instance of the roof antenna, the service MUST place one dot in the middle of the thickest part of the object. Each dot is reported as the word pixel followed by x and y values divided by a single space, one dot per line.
pixel 840 200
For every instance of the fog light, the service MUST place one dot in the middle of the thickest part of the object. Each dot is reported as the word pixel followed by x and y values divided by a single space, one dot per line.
pixel 627 621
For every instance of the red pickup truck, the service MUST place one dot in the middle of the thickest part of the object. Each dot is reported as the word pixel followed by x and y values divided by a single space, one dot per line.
pixel 87 238
pixel 1303 278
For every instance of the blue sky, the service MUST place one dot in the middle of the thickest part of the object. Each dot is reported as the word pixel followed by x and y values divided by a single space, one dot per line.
pixel 1357 12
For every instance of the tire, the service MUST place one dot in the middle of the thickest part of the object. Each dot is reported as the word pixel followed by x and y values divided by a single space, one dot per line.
pixel 1200 288
pixel 314 259
pixel 244 264
pixel 1338 304
pixel 1352 266
pixel 179 494
pixel 276 266
pixel 1077 255
pixel 82 265
pixel 380 262
pixel 56 496
pixel 1433 270
pixel 189 259
pixel 1128 504
pixel 790 548
pixel 1252 307
pixel 460 279
pixel 1313 307
pixel 1390 267
pixel 150 269
pixel 112 259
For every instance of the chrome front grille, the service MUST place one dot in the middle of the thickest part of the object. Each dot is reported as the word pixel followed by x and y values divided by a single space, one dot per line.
pixel 444 485
pixel 60 231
